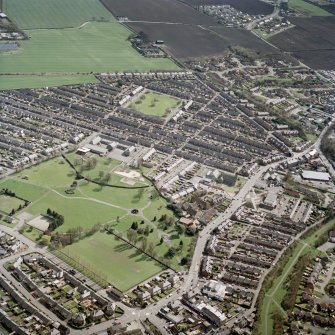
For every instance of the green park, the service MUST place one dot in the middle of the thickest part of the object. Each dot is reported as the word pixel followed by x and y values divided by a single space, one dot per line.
pixel 156 104
pixel 91 212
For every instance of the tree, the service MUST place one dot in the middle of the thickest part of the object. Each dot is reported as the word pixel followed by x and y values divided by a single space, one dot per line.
pixel 151 248
pixel 147 231
pixel 134 225
pixel 161 240
pixel 181 244
pixel 101 174
pixel 184 261
pixel 171 252
pixel 144 243
pixel 108 177
pixel 180 229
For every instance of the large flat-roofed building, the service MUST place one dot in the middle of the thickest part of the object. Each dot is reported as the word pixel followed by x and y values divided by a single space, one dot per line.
pixel 316 176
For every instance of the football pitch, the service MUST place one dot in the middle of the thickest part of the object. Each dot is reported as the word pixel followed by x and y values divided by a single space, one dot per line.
pixel 118 262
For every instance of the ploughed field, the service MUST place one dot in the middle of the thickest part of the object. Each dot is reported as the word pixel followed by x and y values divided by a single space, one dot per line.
pixel 252 7
pixel 168 11
pixel 189 41
pixel 312 40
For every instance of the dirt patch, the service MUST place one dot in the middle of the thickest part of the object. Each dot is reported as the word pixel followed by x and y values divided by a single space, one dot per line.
pixel 40 222
pixel 252 7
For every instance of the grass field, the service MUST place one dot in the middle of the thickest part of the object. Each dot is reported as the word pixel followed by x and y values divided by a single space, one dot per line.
pixel 96 47
pixel 306 8
pixel 36 14
pixel 8 82
pixel 124 266
pixel 45 185
pixel 278 290
pixel 155 104
pixel 23 189
pixel 9 203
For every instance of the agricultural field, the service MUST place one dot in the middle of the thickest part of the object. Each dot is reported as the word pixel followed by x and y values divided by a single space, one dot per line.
pixel 311 40
pixel 251 7
pixel 96 47
pixel 174 11
pixel 155 104
pixel 107 253
pixel 306 8
pixel 8 82
pixel 37 14
pixel 183 41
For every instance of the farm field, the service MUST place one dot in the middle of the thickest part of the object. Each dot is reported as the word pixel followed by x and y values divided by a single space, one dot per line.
pixel 123 265
pixel 311 40
pixel 37 14
pixel 8 82
pixel 307 8
pixel 155 104
pixel 96 47
pixel 252 7
pixel 183 41
pixel 173 11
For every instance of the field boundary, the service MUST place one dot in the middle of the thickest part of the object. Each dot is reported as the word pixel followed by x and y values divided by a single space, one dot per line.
pixel 142 251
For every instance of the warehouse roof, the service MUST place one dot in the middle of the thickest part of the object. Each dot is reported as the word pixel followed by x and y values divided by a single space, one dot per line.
pixel 314 175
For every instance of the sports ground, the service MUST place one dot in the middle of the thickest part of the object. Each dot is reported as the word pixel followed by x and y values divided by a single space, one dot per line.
pixel 69 40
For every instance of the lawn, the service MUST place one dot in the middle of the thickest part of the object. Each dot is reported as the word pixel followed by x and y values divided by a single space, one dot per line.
pixel 105 165
pixel 9 203
pixel 8 82
pixel 78 212
pixel 36 14
pixel 53 173
pixel 124 266
pixel 306 8
pixel 96 47
pixel 23 189
pixel 155 104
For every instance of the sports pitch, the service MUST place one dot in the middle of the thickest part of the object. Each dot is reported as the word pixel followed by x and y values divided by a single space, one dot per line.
pixel 123 265
pixel 155 104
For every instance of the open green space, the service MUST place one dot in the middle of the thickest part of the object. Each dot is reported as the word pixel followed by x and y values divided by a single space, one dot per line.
pixel 36 14
pixel 278 289
pixel 23 189
pixel 96 47
pixel 53 173
pixel 78 212
pixel 8 82
pixel 307 8
pixel 85 204
pixel 103 166
pixel 152 103
pixel 7 204
pixel 123 265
